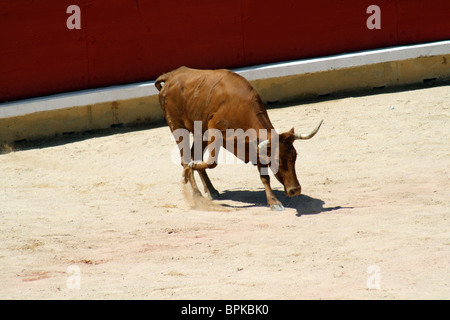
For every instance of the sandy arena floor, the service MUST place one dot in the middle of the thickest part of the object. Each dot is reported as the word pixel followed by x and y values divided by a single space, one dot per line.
pixel 106 217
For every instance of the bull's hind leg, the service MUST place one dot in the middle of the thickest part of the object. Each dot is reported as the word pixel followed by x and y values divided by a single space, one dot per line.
pixel 188 175
pixel 201 166
pixel 210 191
pixel 181 135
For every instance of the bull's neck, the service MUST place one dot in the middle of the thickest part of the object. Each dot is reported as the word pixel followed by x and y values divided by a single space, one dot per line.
pixel 262 121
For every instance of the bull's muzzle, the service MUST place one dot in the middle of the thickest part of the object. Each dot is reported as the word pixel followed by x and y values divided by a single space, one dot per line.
pixel 294 191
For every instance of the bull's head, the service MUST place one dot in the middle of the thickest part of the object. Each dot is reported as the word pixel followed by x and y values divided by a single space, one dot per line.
pixel 285 156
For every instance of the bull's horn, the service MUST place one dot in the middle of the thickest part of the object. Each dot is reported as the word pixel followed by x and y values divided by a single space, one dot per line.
pixel 264 144
pixel 309 135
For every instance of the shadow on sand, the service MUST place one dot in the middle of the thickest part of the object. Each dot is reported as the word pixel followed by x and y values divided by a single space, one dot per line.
pixel 303 204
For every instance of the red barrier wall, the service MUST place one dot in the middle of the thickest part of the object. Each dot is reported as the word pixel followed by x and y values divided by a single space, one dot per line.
pixel 124 41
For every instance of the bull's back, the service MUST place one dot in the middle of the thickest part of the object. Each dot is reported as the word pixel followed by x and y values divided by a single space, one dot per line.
pixel 190 95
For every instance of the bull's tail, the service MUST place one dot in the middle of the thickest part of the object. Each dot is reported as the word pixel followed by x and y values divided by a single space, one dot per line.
pixel 161 79
pixel 159 82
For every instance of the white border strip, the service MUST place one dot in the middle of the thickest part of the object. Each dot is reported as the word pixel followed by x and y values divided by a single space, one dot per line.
pixel 347 60
pixel 139 90
pixel 78 98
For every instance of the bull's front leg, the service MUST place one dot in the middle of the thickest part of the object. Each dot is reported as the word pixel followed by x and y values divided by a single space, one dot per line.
pixel 200 167
pixel 272 201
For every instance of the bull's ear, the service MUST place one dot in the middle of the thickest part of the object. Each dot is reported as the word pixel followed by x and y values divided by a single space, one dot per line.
pixel 288 136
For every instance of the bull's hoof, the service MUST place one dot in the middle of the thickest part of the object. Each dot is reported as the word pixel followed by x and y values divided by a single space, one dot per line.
pixel 193 164
pixel 213 195
pixel 277 207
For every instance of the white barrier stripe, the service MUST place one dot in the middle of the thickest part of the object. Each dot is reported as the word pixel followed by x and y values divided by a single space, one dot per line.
pixel 347 60
pixel 275 70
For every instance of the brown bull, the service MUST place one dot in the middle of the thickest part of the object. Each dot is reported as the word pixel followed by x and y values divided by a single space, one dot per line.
pixel 221 100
